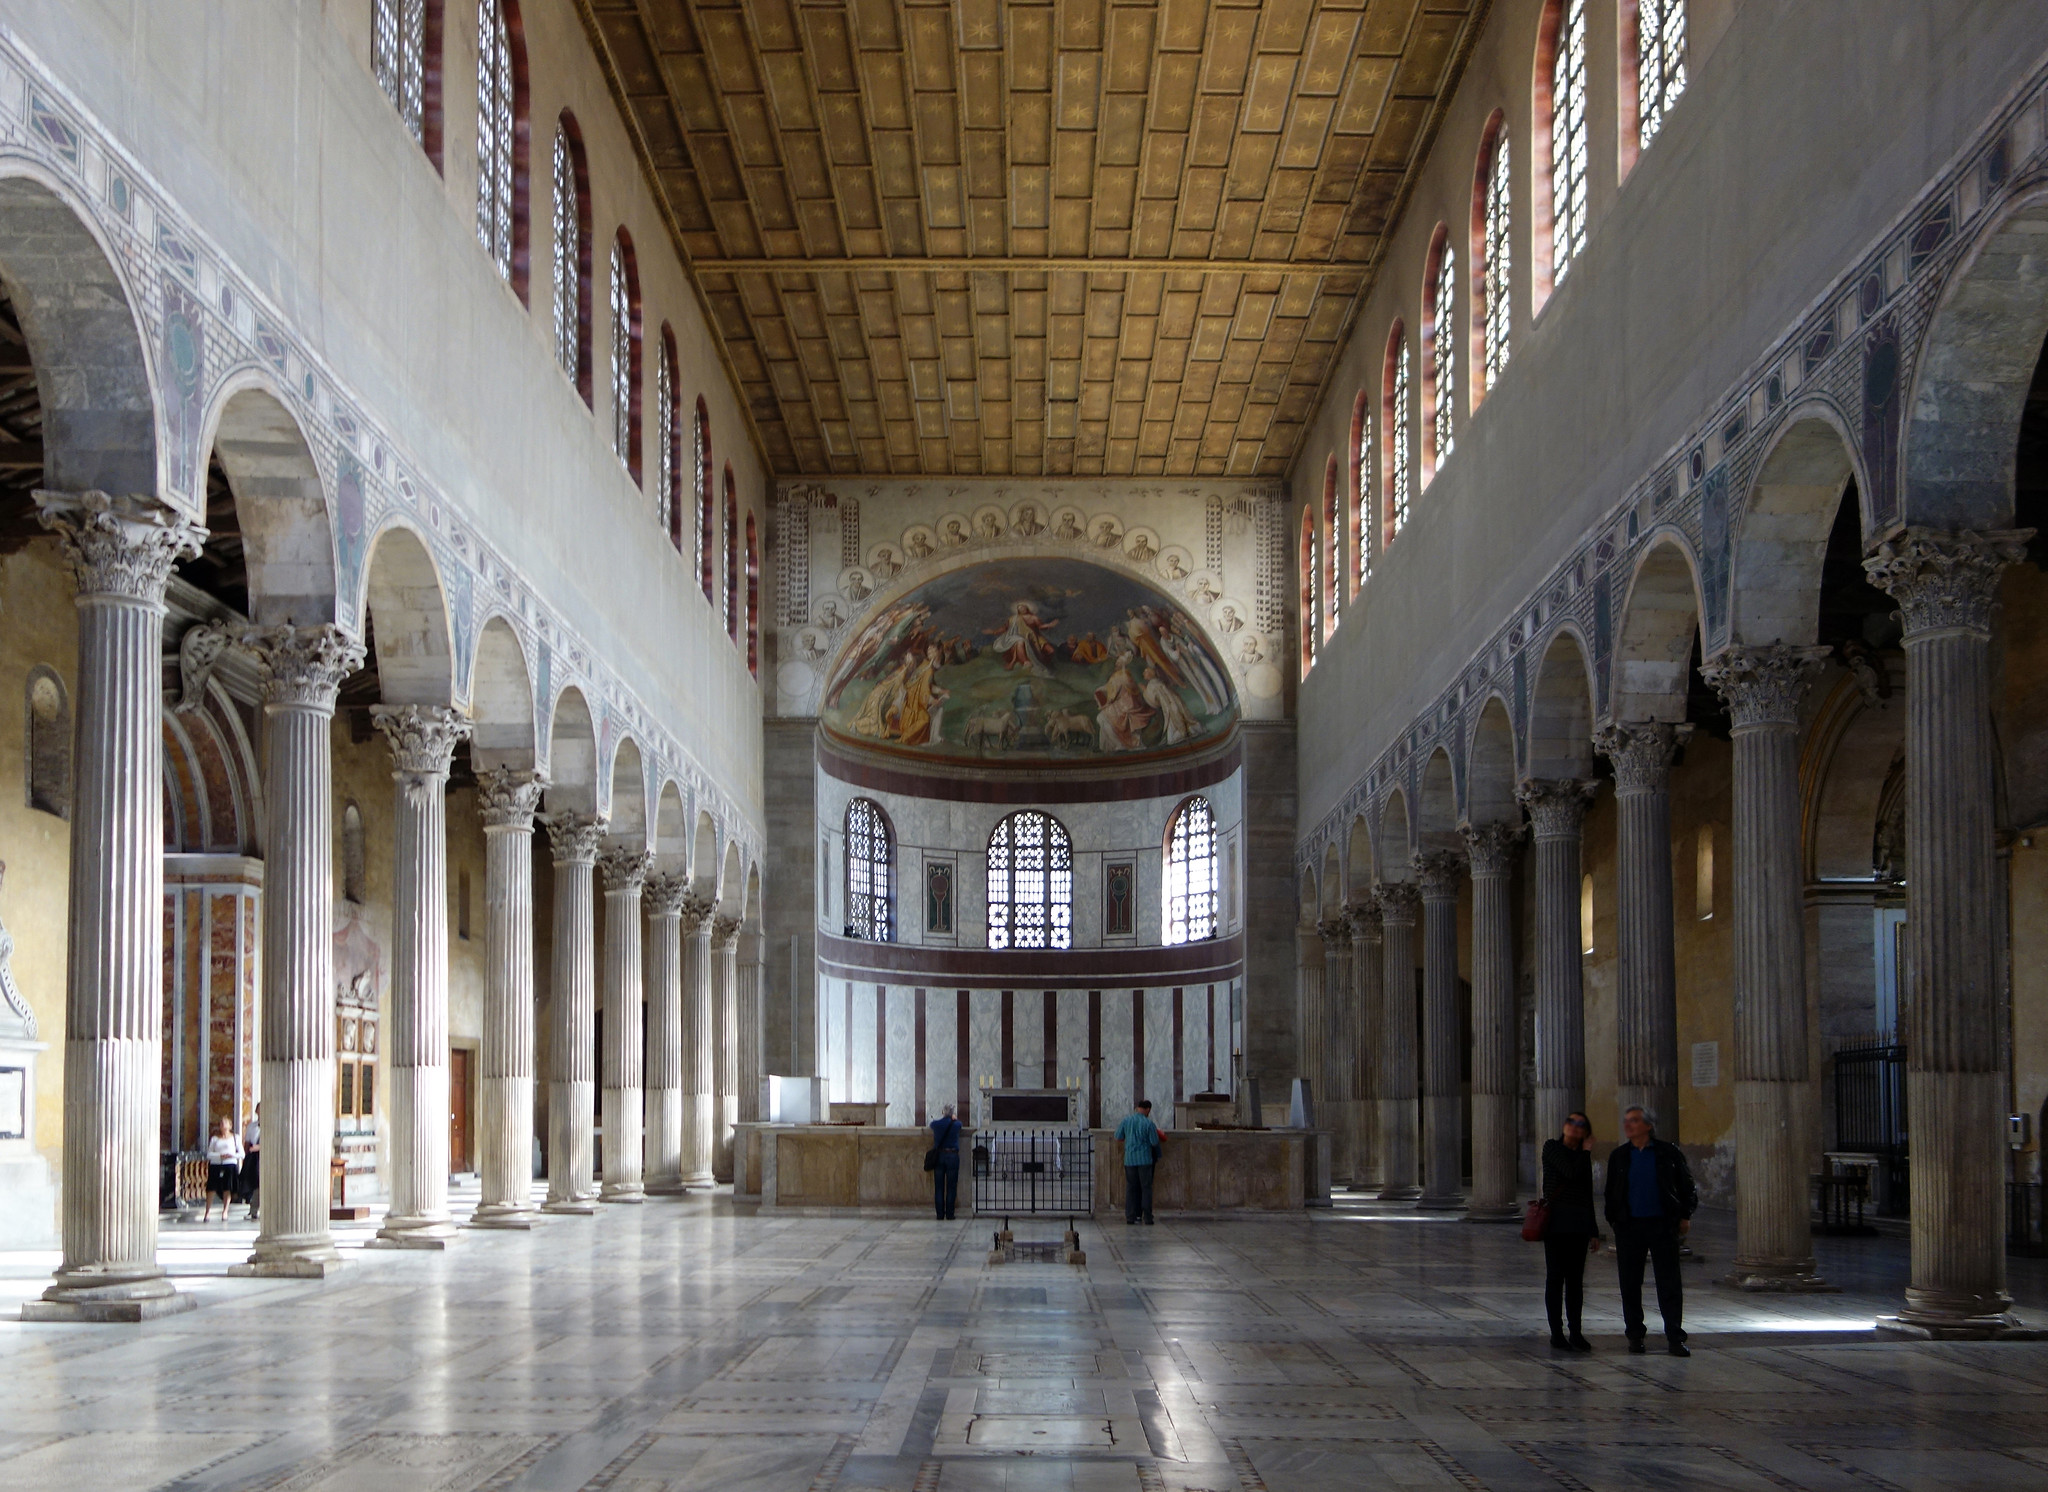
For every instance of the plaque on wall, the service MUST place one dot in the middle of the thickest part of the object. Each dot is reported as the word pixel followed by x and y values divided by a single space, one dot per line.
pixel 938 897
pixel 1119 899
pixel 13 1103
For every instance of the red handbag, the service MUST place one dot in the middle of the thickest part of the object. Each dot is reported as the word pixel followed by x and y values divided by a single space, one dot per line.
pixel 1535 1221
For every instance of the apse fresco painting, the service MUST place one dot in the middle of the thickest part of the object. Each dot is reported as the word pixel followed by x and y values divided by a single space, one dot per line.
pixel 1031 661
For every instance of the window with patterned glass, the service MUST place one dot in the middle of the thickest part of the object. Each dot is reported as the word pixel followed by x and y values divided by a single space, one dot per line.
pixel 1333 550
pixel 732 557
pixel 572 259
pixel 1443 358
pixel 870 873
pixel 1497 245
pixel 706 514
pixel 1397 443
pixel 1660 63
pixel 1191 873
pixel 398 53
pixel 496 112
pixel 1569 152
pixel 1030 883
pixel 665 494
pixel 1365 502
pixel 1307 572
pixel 625 361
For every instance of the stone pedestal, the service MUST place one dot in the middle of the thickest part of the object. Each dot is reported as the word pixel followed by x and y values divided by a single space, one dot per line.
pixel 423 740
pixel 1491 849
pixel 625 870
pixel 1333 1078
pixel 663 899
pixel 725 1040
pixel 1557 812
pixel 507 800
pixel 120 551
pixel 573 839
pixel 303 668
pixel 1443 1101
pixel 1945 585
pixel 700 1130
pixel 1646 974
pixel 1400 904
pixel 1776 1131
pixel 1368 980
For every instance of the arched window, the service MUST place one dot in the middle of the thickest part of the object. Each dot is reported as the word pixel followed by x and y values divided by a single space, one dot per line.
pixel 1493 258
pixel 49 743
pixel 1307 572
pixel 732 556
pixel 668 442
pixel 1333 548
pixel 572 255
pixel 405 53
pixel 626 352
pixel 502 139
pixel 1394 425
pixel 1030 883
pixel 1361 490
pixel 870 873
pixel 1440 338
pixel 1653 69
pixel 707 511
pixel 753 600
pixel 1190 893
pixel 1561 141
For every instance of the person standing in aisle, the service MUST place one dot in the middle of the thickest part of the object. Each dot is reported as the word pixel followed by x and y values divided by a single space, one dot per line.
pixel 1650 1201
pixel 1572 1231
pixel 1142 1145
pixel 946 1167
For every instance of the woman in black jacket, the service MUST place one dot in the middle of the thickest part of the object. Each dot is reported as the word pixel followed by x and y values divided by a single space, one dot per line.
pixel 1573 1230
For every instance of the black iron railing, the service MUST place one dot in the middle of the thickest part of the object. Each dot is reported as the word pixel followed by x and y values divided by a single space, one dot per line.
pixel 1870 1115
pixel 1020 1172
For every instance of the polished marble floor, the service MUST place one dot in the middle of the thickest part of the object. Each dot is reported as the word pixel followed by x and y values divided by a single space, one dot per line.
pixel 690 1344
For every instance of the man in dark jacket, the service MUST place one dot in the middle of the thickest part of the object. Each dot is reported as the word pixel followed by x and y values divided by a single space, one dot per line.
pixel 1650 1203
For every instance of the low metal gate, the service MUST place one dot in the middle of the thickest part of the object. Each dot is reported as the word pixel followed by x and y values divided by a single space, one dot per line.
pixel 1020 1172
pixel 1870 1114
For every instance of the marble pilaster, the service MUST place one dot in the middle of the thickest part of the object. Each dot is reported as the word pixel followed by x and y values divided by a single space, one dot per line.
pixel 663 899
pixel 699 1064
pixel 1400 904
pixel 120 551
pixel 625 869
pixel 1437 873
pixel 574 839
pixel 1333 1078
pixel 423 739
pixel 1557 815
pixel 506 800
pixel 1368 1021
pixel 725 1040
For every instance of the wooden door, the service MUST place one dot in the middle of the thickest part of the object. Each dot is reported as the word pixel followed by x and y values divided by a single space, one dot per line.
pixel 458 1110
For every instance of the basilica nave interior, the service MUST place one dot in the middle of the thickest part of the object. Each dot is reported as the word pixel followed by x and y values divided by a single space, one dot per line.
pixel 611 607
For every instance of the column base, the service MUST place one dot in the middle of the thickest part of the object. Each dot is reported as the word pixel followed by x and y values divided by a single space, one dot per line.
pixel 1399 1193
pixel 1427 1203
pixel 630 1193
pixel 288 1261
pixel 1768 1277
pixel 2005 1327
pixel 1507 1214
pixel 570 1207
pixel 131 1300
pixel 703 1182
pixel 414 1233
pixel 668 1187
pixel 497 1215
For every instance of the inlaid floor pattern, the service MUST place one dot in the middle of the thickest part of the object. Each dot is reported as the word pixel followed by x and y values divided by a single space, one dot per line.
pixel 692 1344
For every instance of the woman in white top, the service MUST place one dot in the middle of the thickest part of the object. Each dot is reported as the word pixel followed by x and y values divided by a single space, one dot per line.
pixel 223 1168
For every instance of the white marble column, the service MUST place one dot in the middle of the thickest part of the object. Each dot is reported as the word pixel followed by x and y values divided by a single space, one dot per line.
pixel 120 551
pixel 1333 1078
pixel 1777 1134
pixel 663 899
pixel 1557 811
pixel 303 668
pixel 1491 850
pixel 625 870
pixel 1312 1025
pixel 1945 585
pixel 1438 872
pixel 423 739
pixel 748 1049
pixel 1646 973
pixel 700 1133
pixel 725 1039
pixel 1368 1023
pixel 1400 904
pixel 507 799
pixel 572 1026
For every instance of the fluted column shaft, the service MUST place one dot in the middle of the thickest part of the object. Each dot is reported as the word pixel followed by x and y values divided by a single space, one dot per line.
pixel 1369 1020
pixel 663 898
pixel 625 870
pixel 423 740
pixel 748 1049
pixel 1490 849
pixel 725 1039
pixel 506 800
pixel 700 1138
pixel 1557 812
pixel 120 551
pixel 572 1027
pixel 1945 585
pixel 1646 974
pixel 1443 1100
pixel 1400 904
pixel 1312 1028
pixel 303 668
pixel 1333 1077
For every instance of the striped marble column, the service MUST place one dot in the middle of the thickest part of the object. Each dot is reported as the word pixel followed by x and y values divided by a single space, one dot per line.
pixel 120 551
pixel 725 1040
pixel 1400 904
pixel 1333 1078
pixel 1312 1025
pixel 573 839
pixel 663 899
pixel 507 799
pixel 699 1065
pixel 624 868
pixel 1369 1023
pixel 1491 849
pixel 1438 872
pixel 423 739
pixel 303 668
pixel 748 1056
pixel 1945 585
pixel 1557 811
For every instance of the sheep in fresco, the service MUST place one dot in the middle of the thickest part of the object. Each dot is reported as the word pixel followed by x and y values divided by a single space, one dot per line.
pixel 991 727
pixel 1068 728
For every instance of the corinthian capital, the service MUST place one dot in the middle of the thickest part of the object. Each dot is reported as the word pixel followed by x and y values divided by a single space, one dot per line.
pixel 664 894
pixel 1365 920
pixel 120 547
pixel 1641 752
pixel 1438 873
pixel 1491 847
pixel 1557 806
pixel 1945 582
pixel 1334 930
pixel 574 837
pixel 624 867
pixel 1763 686
pixel 423 740
pixel 696 913
pixel 1400 903
pixel 723 930
pixel 507 797
pixel 302 667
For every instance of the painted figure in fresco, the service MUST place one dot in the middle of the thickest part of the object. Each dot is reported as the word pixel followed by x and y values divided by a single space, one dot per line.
pixel 923 700
pixel 1165 701
pixel 954 535
pixel 1118 645
pixel 1087 651
pixel 1142 550
pixel 857 587
pixel 1175 568
pixel 991 527
pixel 1070 527
pixel 918 544
pixel 1141 628
pixel 1106 534
pixel 1193 661
pixel 1249 651
pixel 1228 620
pixel 1022 642
pixel 884 564
pixel 878 639
pixel 829 614
pixel 1027 525
pixel 1204 591
pixel 881 713
pixel 1123 717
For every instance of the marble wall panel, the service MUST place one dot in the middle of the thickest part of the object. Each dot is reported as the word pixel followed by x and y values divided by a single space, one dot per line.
pixel 902 1065
pixel 1027 1037
pixel 1117 1096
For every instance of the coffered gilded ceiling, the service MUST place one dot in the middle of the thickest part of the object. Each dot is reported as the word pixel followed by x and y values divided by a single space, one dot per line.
pixel 1081 237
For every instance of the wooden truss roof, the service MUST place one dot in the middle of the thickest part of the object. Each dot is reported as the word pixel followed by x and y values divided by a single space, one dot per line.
pixel 1085 237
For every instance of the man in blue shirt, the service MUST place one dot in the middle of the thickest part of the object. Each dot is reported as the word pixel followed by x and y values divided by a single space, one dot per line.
pixel 1141 1153
pixel 945 1164
pixel 1650 1201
